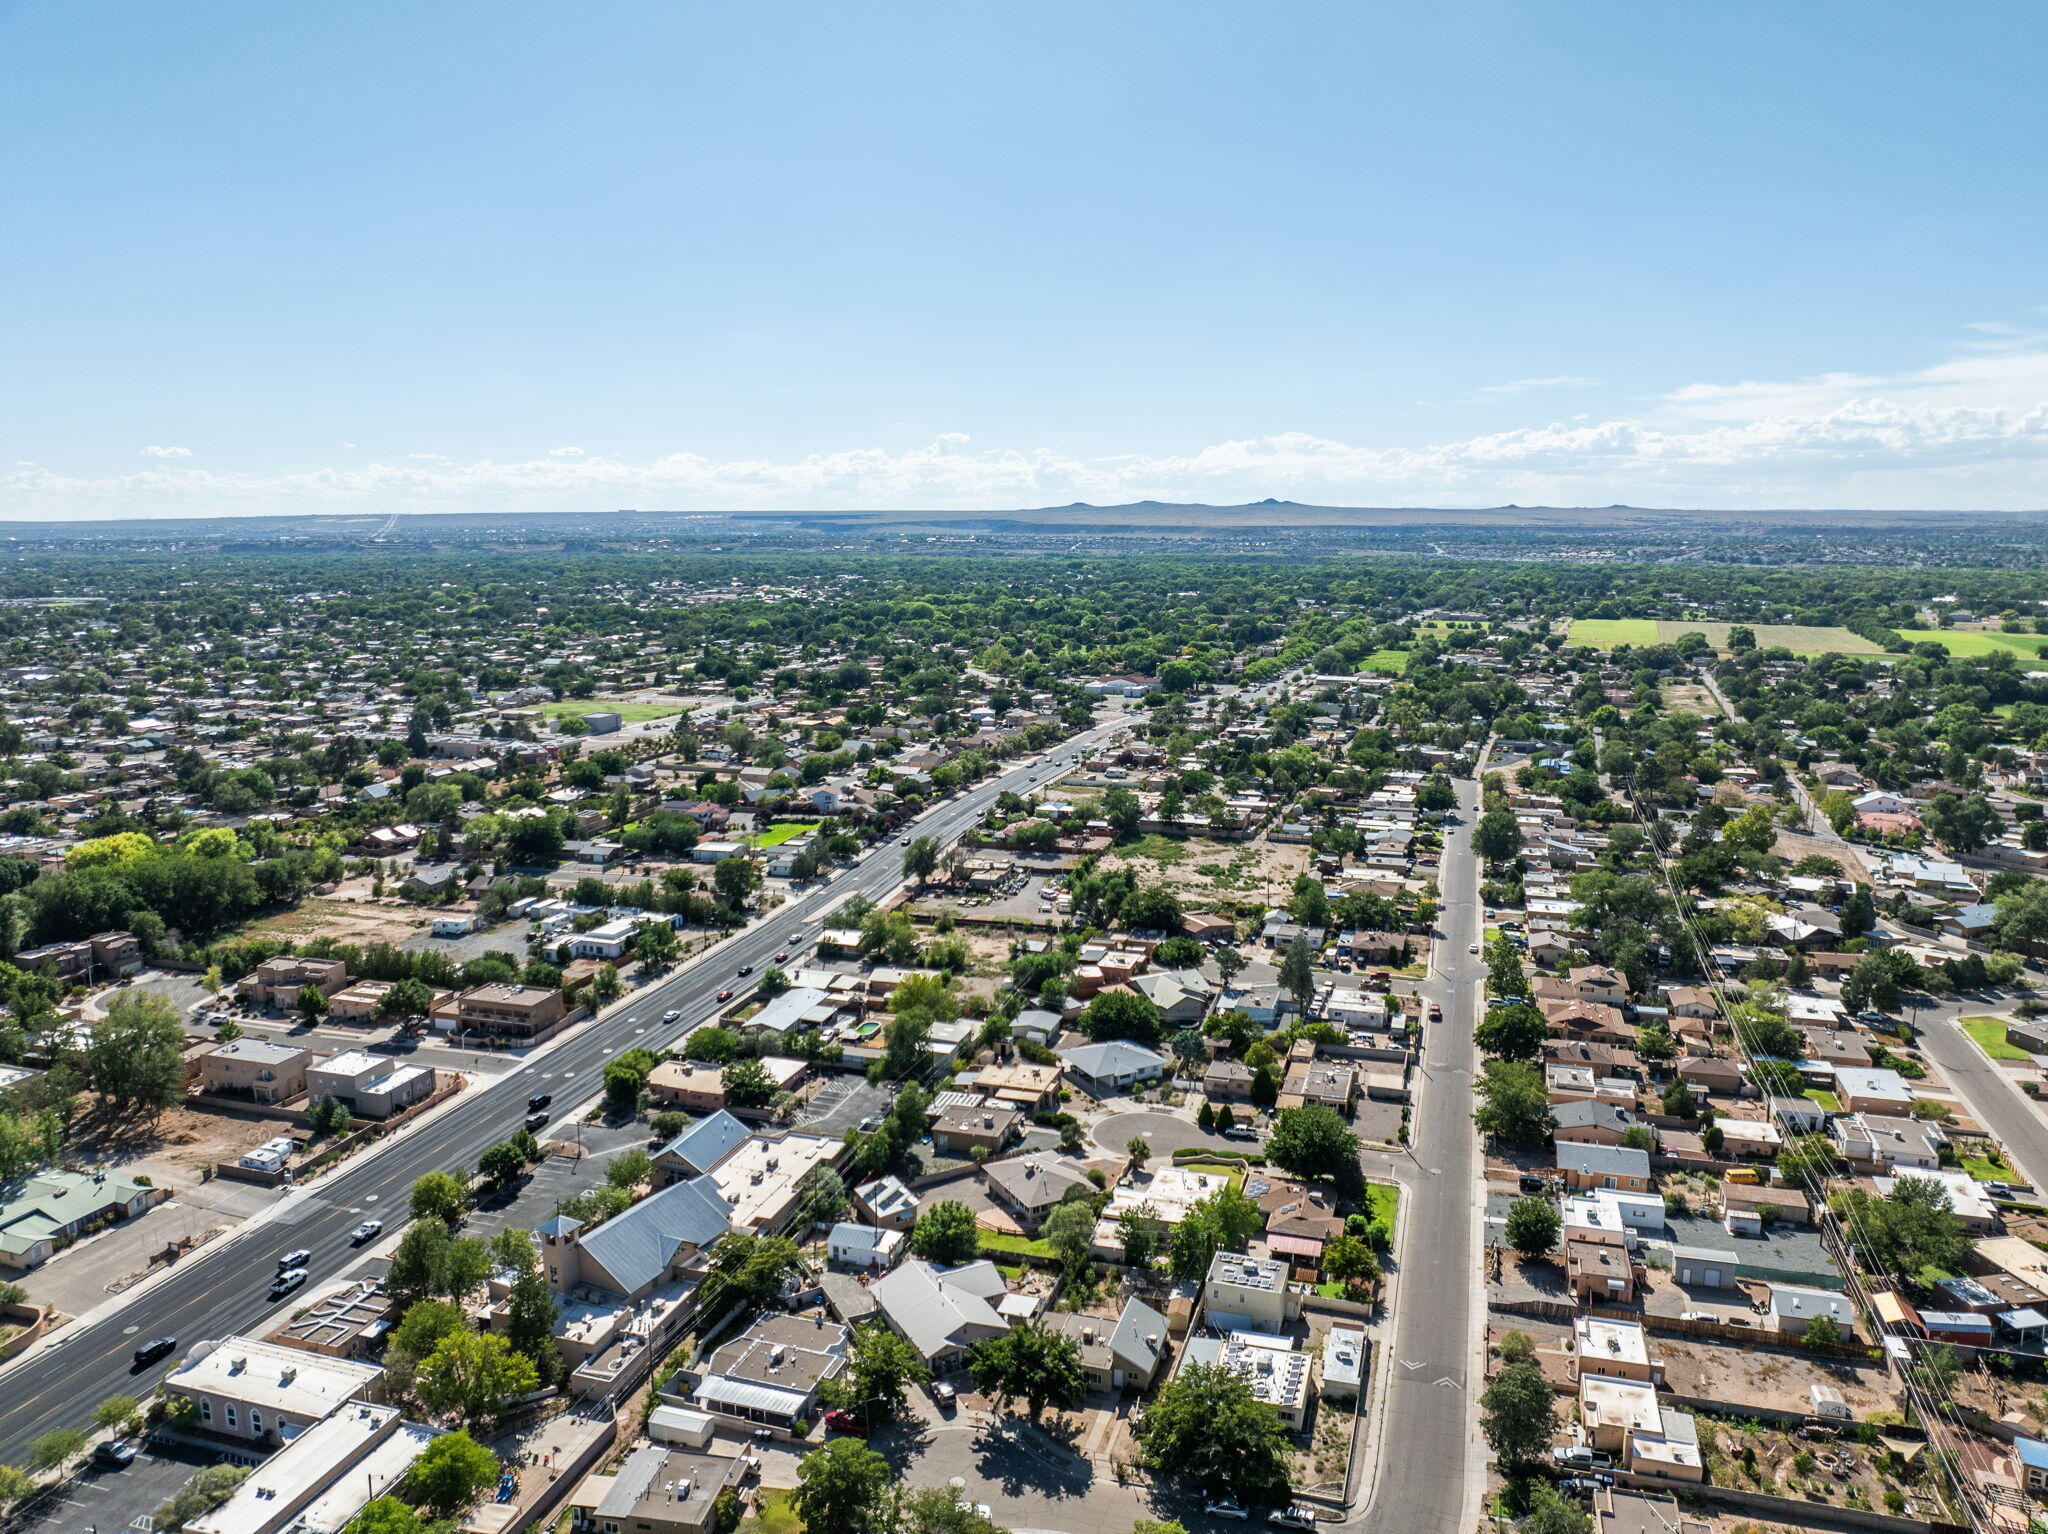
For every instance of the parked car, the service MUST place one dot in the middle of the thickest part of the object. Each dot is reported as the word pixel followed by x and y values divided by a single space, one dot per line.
pixel 297 1259
pixel 843 1422
pixel 944 1394
pixel 155 1348
pixel 114 1454
pixel 1578 1456
pixel 1240 1132
pixel 286 1282
pixel 1531 1183
pixel 1225 1510
pixel 1584 1485
pixel 369 1230
pixel 1292 1517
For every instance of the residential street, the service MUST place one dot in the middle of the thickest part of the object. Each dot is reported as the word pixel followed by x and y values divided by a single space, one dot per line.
pixel 1996 1101
pixel 1427 1462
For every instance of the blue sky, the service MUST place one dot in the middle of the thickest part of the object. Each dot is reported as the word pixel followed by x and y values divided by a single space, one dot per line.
pixel 342 256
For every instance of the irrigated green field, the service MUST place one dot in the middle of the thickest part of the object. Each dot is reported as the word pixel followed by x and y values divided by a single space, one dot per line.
pixel 1606 633
pixel 630 713
pixel 1799 638
pixel 1391 662
pixel 1970 642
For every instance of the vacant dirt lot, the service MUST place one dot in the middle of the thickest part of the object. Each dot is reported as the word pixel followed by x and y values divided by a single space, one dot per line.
pixel 1202 872
pixel 172 1150
pixel 345 921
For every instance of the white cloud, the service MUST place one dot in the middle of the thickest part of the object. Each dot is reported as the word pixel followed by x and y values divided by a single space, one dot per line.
pixel 348 444
pixel 566 452
pixel 154 451
pixel 1968 432
pixel 1557 381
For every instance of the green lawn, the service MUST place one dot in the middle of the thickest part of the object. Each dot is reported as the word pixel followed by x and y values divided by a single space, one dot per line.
pixel 1388 662
pixel 996 1241
pixel 1986 1171
pixel 1606 633
pixel 1989 1032
pixel 631 713
pixel 776 1515
pixel 1384 1203
pixel 1823 1098
pixel 783 831
pixel 1215 1169
pixel 1972 642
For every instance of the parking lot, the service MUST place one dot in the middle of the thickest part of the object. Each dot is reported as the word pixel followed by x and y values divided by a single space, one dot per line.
pixel 840 1102
pixel 100 1501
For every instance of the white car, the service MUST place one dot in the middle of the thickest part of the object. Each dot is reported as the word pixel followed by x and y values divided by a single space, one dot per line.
pixel 1292 1518
pixel 1471 948
pixel 1225 1510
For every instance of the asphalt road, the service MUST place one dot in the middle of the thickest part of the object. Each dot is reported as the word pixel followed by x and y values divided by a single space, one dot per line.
pixel 1426 1462
pixel 221 1291
pixel 1991 1096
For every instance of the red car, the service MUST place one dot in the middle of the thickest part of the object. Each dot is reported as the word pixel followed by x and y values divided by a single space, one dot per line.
pixel 782 957
pixel 1436 1013
pixel 843 1422
pixel 725 995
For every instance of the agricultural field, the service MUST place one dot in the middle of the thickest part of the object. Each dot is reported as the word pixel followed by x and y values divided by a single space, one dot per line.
pixel 1799 638
pixel 630 713
pixel 1606 633
pixel 1968 643
pixel 1387 662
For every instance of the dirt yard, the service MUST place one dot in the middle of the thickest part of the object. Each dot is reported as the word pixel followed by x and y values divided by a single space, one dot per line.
pixel 174 1149
pixel 1780 1380
pixel 345 921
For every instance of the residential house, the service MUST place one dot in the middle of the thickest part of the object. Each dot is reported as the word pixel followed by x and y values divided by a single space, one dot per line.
pixel 1593 1122
pixel 1030 1187
pixel 42 1213
pixel 770 1376
pixel 1604 1166
pixel 659 1490
pixel 964 1128
pixel 863 1246
pixel 942 1312
pixel 276 983
pixel 1115 1066
pixel 1123 1356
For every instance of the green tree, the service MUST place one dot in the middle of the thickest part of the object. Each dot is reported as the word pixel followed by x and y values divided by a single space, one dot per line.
pixel 1121 809
pixel 118 1414
pixel 56 1447
pixel 530 1316
pixel 1513 1104
pixel 202 1492
pixel 501 1164
pixel 1031 1364
pixel 747 1085
pixel 1070 1232
pixel 881 1371
pixel 451 1473
pixel 1120 1015
pixel 1314 1141
pixel 735 879
pixel 1513 1033
pixel 921 859
pixel 655 944
pixel 946 1234
pixel 605 986
pixel 624 1077
pixel 630 1168
pixel 439 1196
pixel 405 1000
pixel 1297 972
pixel 1207 1428
pixel 1351 1259
pixel 940 1510
pixel 1497 837
pixel 1518 1414
pixel 1961 824
pixel 311 1003
pixel 1532 1226
pixel 386 1515
pixel 473 1376
pixel 844 1487
pixel 136 1059
pixel 1822 1335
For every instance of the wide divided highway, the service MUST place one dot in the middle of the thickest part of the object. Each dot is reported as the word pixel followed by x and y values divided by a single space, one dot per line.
pixel 222 1290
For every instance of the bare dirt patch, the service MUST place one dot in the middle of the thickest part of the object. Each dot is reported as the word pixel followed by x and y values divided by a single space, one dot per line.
pixel 172 1150
pixel 1203 872
pixel 345 921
